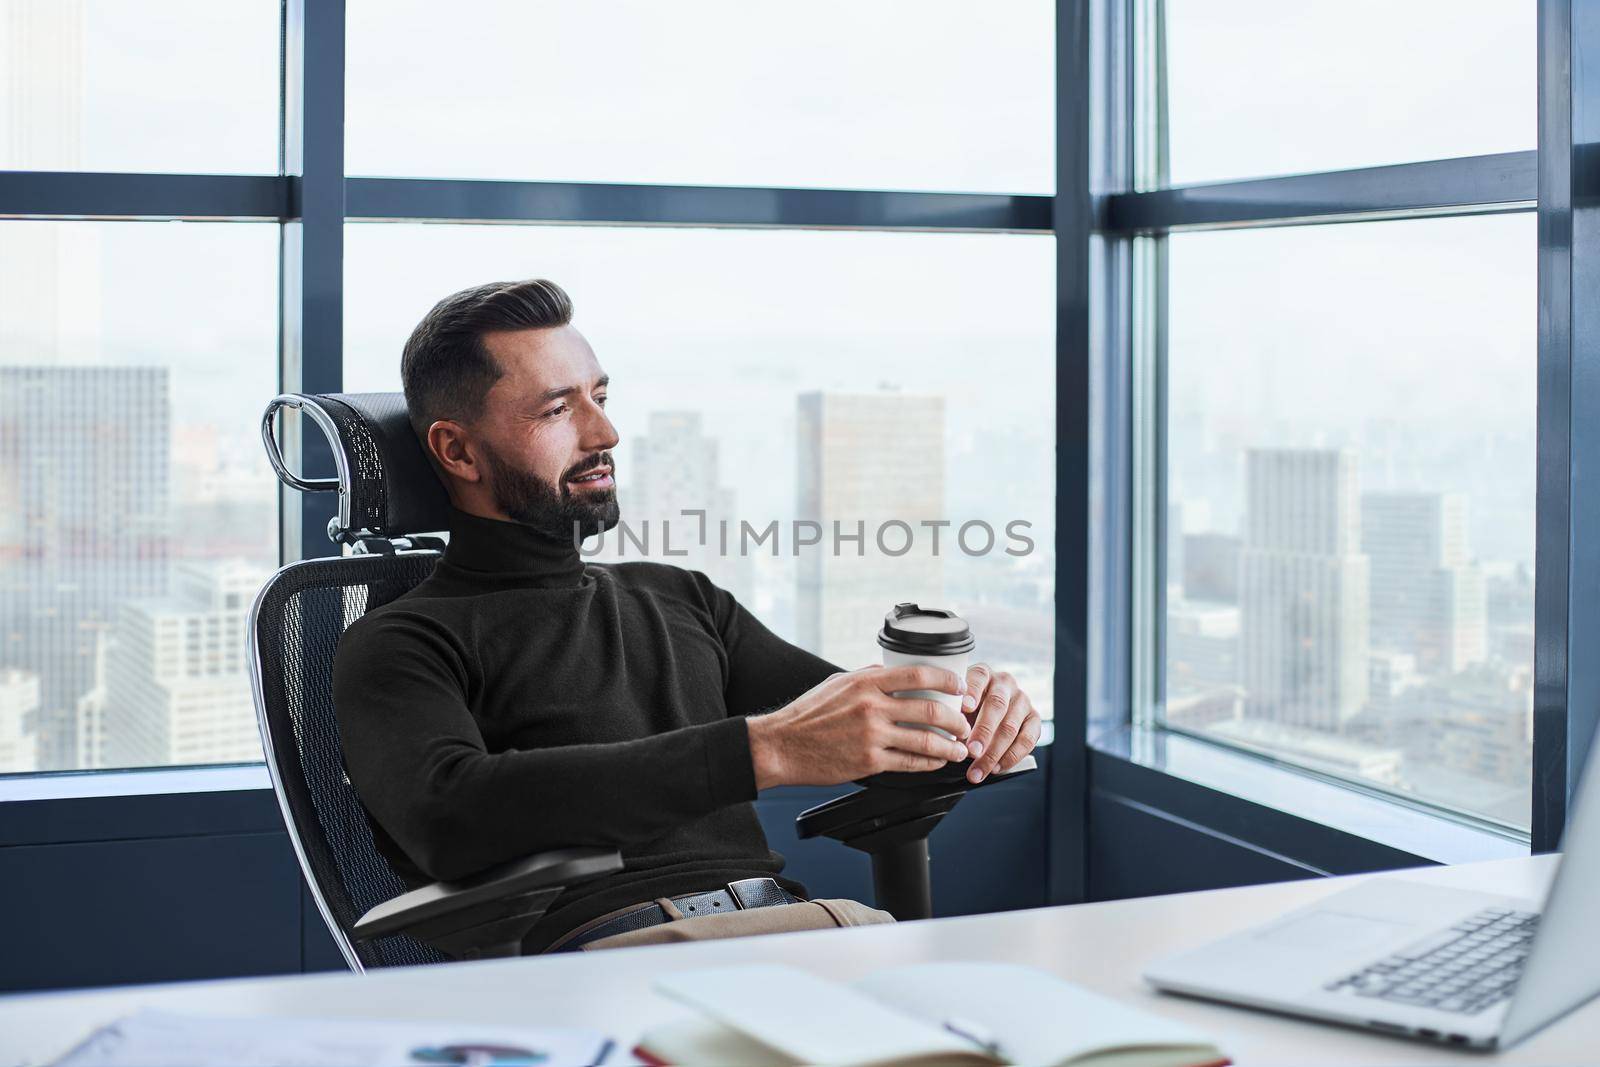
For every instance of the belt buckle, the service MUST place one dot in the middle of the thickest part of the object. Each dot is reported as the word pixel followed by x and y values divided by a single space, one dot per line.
pixel 749 892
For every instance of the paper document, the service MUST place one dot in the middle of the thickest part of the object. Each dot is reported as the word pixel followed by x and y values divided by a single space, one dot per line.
pixel 168 1039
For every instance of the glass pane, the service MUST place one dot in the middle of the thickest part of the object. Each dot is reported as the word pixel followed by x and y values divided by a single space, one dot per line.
pixel 160 86
pixel 772 376
pixel 835 94
pixel 137 512
pixel 1257 87
pixel 1351 501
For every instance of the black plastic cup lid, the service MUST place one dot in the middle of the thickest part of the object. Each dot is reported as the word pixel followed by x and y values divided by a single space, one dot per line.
pixel 918 631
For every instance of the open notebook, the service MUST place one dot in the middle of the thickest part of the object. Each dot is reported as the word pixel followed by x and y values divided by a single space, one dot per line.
pixel 928 1014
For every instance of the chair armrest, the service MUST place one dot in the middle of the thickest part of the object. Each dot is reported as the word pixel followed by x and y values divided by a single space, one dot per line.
pixel 897 797
pixel 518 878
pixel 951 774
pixel 890 820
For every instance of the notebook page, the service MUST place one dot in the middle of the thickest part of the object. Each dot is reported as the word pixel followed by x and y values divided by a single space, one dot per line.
pixel 1035 1017
pixel 812 1020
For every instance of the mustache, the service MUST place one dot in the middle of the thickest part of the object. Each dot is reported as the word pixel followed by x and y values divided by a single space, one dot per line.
pixel 603 459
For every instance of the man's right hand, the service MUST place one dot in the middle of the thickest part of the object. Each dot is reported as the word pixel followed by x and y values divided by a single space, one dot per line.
pixel 846 728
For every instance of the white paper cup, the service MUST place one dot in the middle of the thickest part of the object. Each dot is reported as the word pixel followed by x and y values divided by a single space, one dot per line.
pixel 931 636
pixel 956 664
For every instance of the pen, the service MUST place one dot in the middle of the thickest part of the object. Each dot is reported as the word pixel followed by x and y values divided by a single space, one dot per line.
pixel 976 1033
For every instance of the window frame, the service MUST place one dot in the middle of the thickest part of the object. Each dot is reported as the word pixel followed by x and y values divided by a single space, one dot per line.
pixel 1096 218
pixel 312 197
pixel 1130 231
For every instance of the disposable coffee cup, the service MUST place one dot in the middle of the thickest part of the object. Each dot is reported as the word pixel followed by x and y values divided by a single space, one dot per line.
pixel 935 636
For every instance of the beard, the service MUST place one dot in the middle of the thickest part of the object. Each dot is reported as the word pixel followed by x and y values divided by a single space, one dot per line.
pixel 554 511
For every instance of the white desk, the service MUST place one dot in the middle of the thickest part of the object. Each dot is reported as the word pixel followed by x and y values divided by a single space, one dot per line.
pixel 1101 946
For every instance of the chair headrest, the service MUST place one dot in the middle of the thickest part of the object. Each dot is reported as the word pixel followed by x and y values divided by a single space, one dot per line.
pixel 386 486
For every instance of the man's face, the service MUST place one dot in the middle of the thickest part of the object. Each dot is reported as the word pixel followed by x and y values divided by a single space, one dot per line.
pixel 545 437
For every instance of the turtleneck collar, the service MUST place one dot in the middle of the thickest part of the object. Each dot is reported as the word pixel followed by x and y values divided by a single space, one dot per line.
pixel 511 552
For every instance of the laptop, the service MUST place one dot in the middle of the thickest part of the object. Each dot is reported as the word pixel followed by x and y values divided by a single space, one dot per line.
pixel 1447 965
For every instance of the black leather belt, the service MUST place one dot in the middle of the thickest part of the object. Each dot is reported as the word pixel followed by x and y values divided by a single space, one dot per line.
pixel 738 896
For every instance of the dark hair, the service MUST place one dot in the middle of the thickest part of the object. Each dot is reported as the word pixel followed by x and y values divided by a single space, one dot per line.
pixel 446 370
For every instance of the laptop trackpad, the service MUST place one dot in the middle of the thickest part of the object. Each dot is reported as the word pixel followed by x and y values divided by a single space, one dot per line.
pixel 1321 930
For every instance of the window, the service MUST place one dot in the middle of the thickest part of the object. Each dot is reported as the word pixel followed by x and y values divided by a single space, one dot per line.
pixel 784 376
pixel 1332 378
pixel 138 518
pixel 134 360
pixel 134 357
pixel 1350 501
pixel 1354 83
pixel 163 86
pixel 830 94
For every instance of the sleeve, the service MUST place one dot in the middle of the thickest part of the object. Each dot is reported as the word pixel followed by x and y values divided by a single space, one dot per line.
pixel 418 762
pixel 764 671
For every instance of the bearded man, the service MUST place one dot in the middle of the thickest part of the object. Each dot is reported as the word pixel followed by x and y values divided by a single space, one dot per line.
pixel 522 698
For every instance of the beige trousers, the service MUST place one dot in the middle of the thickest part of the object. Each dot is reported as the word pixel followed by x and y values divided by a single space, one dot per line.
pixel 778 919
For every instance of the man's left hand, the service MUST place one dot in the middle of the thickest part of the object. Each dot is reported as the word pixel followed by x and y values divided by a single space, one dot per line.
pixel 1005 726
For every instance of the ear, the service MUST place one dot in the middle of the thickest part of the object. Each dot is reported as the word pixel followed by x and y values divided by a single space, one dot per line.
pixel 450 446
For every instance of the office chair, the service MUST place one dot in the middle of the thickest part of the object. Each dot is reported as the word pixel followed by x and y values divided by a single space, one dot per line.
pixel 389 501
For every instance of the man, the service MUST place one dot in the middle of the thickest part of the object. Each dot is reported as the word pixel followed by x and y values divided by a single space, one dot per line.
pixel 523 699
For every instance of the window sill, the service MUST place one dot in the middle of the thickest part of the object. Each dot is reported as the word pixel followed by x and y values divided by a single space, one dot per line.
pixel 76 785
pixel 1257 784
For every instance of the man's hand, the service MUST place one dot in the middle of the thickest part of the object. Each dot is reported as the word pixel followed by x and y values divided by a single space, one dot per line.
pixel 1005 726
pixel 846 728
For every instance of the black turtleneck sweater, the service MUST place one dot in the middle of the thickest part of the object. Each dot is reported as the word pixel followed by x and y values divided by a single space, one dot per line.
pixel 522 699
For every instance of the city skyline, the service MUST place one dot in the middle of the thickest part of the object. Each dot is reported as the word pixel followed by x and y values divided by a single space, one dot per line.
pixel 681 434
pixel 149 670
pixel 1355 631
pixel 1419 697
pixel 99 573
pixel 84 493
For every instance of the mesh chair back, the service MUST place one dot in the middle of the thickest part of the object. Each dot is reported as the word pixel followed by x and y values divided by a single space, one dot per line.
pixel 294 629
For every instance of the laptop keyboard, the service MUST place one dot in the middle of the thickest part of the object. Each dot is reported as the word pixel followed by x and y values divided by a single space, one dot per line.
pixel 1466 968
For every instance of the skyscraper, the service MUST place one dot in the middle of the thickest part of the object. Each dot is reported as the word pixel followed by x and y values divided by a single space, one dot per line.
pixel 676 468
pixel 1392 680
pixel 46 310
pixel 50 586
pixel 866 460
pixel 1183 518
pixel 1202 647
pixel 1479 723
pixel 1428 598
pixel 1211 567
pixel 19 704
pixel 83 524
pixel 1303 588
pixel 177 688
